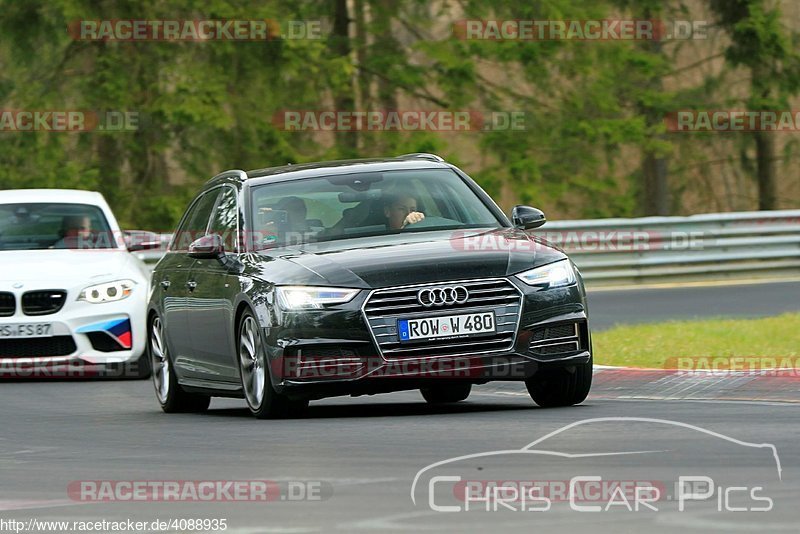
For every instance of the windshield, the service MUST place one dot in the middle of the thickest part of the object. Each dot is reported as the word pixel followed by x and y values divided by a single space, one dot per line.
pixel 365 204
pixel 38 226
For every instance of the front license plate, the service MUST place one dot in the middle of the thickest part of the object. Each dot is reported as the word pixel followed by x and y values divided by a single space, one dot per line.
pixel 468 324
pixel 26 330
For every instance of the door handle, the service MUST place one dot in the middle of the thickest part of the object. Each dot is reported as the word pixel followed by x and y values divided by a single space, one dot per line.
pixel 191 285
pixel 165 284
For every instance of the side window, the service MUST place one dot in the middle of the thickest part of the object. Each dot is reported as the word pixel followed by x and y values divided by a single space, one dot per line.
pixel 225 218
pixel 195 222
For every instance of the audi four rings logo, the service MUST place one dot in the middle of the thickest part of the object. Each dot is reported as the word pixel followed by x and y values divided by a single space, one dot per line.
pixel 442 296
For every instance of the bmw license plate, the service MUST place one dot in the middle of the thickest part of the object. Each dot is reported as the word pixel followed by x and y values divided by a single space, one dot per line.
pixel 26 330
pixel 468 324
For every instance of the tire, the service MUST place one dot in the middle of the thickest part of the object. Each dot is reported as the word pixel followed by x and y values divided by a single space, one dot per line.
pixel 446 394
pixel 262 399
pixel 170 395
pixel 561 387
pixel 141 369
pixel 138 370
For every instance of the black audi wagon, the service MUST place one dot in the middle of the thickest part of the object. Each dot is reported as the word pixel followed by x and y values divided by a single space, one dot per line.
pixel 300 282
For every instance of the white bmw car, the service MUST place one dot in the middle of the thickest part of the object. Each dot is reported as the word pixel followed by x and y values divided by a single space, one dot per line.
pixel 72 296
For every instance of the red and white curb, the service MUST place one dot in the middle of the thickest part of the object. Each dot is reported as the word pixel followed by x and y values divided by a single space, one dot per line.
pixel 782 385
pixel 632 383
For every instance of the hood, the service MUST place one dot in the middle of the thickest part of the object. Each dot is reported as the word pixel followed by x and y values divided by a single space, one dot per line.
pixel 66 267
pixel 411 258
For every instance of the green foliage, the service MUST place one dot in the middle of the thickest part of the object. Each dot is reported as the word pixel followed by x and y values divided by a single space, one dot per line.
pixel 206 107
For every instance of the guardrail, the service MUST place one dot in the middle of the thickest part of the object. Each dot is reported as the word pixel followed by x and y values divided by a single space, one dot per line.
pixel 652 249
pixel 655 249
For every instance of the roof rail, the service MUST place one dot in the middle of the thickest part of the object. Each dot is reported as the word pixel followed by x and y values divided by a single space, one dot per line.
pixel 422 155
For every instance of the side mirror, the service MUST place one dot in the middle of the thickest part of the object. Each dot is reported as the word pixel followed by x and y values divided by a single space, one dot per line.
pixel 208 247
pixel 526 217
pixel 138 240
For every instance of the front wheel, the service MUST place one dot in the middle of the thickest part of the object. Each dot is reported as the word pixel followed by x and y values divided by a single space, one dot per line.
pixel 446 394
pixel 170 395
pixel 137 370
pixel 262 399
pixel 561 387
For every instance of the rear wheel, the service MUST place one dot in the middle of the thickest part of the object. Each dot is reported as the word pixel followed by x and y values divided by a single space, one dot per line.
pixel 561 387
pixel 170 395
pixel 262 399
pixel 447 393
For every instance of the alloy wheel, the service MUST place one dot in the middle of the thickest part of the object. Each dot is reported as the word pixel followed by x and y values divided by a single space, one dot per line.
pixel 251 360
pixel 159 360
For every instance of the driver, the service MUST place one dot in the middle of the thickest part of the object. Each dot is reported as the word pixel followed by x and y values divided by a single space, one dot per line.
pixel 401 210
pixel 76 230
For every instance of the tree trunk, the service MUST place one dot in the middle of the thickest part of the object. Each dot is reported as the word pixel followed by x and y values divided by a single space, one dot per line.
pixel 765 172
pixel 344 99
pixel 656 189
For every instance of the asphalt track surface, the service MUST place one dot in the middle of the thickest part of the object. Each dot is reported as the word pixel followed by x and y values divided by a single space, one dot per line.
pixel 608 308
pixel 360 457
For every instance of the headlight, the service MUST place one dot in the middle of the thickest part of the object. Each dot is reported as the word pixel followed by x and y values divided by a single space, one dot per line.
pixel 107 292
pixel 306 297
pixel 556 274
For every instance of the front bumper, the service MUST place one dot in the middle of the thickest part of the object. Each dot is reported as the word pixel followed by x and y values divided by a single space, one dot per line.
pixel 320 353
pixel 80 334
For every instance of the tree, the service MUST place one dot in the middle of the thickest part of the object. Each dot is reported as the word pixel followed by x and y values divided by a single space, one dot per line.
pixel 759 44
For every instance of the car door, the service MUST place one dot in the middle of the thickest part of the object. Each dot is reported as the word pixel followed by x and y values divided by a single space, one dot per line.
pixel 174 281
pixel 215 284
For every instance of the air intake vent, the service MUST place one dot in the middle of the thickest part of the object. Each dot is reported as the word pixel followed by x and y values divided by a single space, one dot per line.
pixel 558 339
pixel 102 342
pixel 7 304
pixel 43 302
pixel 37 347
pixel 324 352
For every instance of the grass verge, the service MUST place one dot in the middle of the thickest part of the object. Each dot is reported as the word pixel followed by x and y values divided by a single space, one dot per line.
pixel 658 345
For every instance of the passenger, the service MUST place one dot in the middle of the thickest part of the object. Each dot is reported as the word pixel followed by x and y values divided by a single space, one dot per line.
pixel 284 223
pixel 76 232
pixel 400 211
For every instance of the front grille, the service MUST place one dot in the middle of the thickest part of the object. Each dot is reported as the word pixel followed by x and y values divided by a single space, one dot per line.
pixel 7 304
pixel 43 302
pixel 37 347
pixel 557 339
pixel 385 306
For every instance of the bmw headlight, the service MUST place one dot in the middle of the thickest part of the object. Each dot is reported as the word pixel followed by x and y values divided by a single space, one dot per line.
pixel 557 274
pixel 107 292
pixel 307 297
